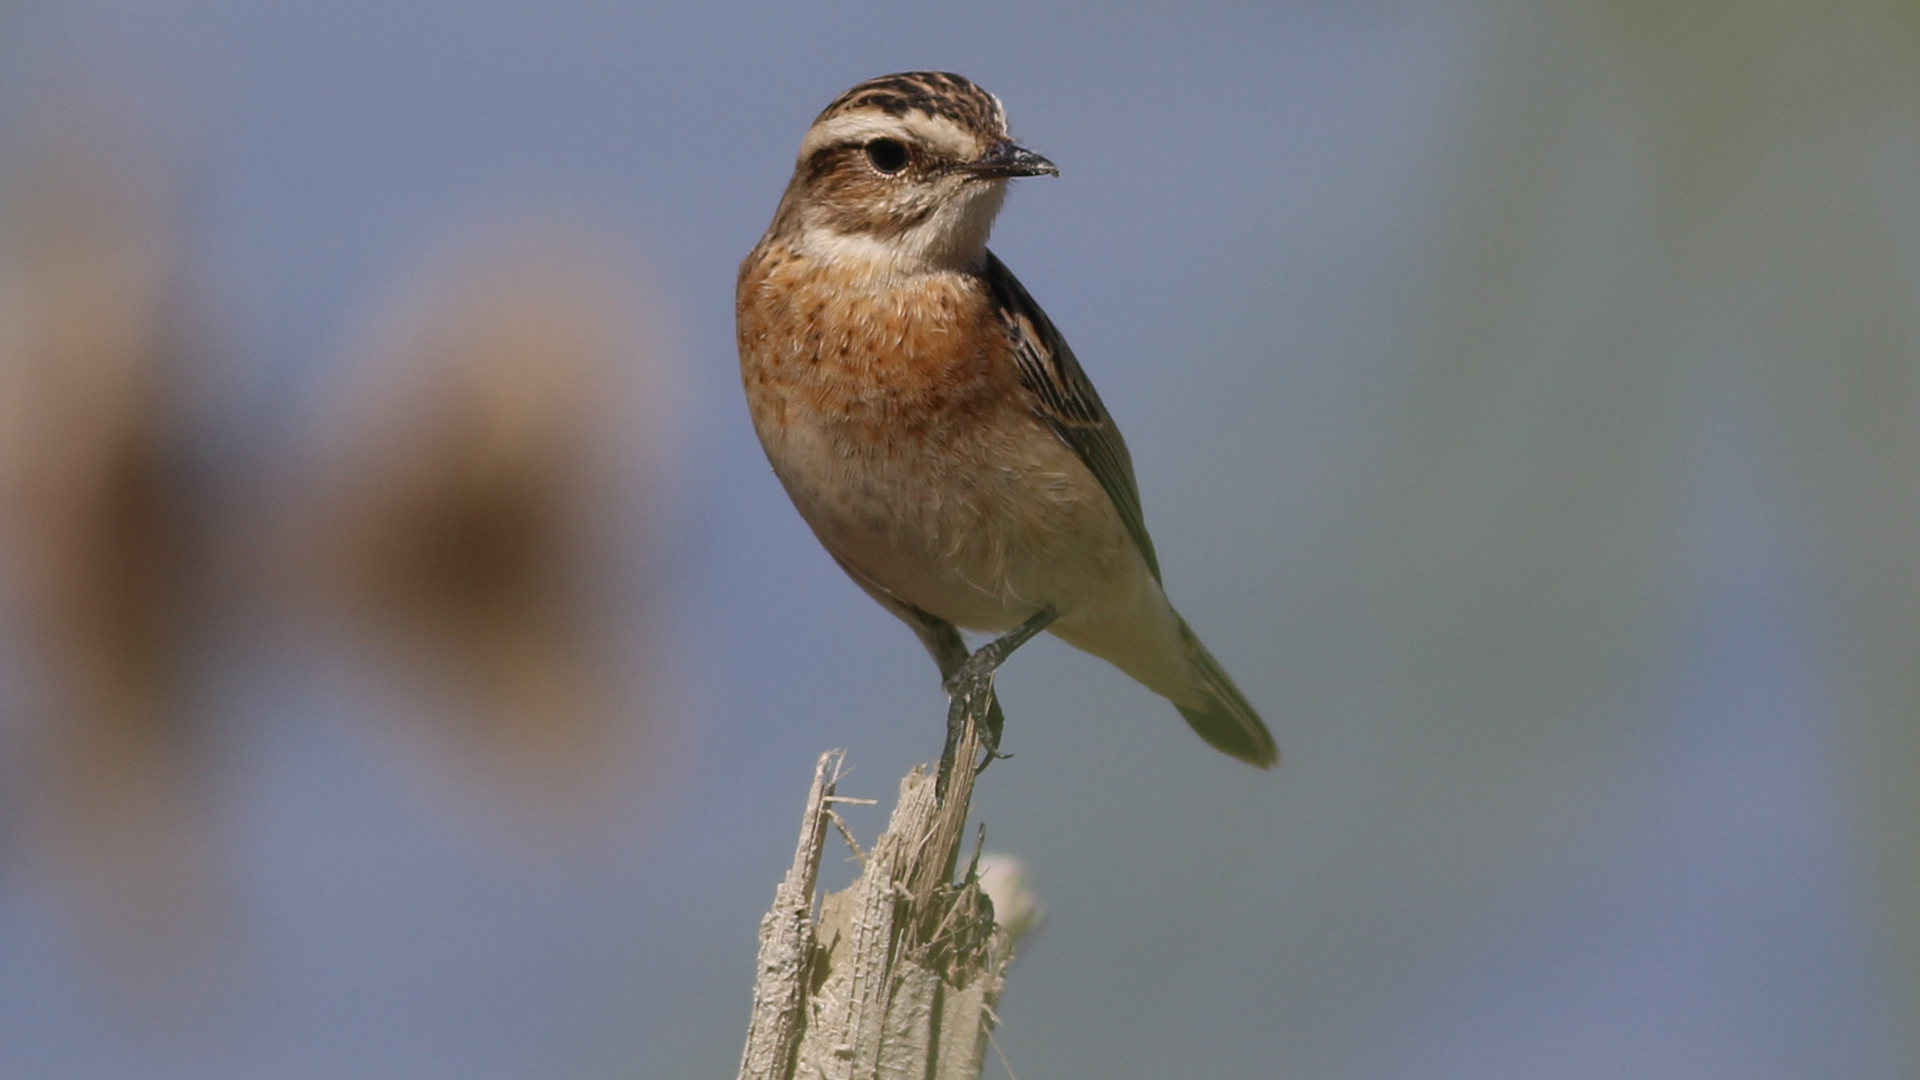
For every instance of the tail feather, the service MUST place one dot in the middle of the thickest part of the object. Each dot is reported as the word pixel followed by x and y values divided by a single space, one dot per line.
pixel 1226 719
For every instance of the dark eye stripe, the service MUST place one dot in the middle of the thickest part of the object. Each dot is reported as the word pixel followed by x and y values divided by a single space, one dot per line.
pixel 831 157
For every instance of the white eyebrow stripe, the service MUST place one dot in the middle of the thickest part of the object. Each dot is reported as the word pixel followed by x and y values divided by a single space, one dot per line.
pixel 942 133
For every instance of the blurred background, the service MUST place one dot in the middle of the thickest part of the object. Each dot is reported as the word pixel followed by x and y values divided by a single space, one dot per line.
pixel 409 666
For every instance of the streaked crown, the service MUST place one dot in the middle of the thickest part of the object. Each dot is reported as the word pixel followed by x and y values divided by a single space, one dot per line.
pixel 936 95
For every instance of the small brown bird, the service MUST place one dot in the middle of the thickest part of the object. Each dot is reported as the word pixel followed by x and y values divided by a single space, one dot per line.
pixel 930 423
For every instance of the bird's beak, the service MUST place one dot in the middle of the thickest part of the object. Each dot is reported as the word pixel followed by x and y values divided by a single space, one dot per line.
pixel 1006 159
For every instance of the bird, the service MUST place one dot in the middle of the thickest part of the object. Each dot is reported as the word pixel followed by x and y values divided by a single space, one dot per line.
pixel 930 423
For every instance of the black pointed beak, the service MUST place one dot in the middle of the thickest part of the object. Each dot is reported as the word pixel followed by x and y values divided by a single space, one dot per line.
pixel 1006 159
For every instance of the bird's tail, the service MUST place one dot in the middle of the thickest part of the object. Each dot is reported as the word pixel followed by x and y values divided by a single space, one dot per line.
pixel 1224 718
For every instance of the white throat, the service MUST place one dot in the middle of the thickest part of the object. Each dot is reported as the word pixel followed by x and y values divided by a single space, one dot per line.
pixel 953 237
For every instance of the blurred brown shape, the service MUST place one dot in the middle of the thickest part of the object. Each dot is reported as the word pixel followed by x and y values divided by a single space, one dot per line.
pixel 98 522
pixel 461 515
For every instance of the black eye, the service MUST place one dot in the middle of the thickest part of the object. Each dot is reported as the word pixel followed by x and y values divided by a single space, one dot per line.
pixel 887 155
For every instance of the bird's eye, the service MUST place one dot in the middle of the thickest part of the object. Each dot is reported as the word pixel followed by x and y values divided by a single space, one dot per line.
pixel 887 155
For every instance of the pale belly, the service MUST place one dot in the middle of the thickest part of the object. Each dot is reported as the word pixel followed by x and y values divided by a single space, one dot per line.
pixel 981 527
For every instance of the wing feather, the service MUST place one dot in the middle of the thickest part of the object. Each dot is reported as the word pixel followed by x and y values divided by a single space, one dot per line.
pixel 1065 398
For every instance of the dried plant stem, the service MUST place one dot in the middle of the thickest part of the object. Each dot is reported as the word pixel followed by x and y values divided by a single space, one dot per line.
pixel 899 975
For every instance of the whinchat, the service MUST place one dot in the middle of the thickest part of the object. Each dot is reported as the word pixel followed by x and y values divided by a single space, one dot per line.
pixel 927 419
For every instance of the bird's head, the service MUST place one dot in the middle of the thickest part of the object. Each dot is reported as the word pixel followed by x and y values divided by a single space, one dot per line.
pixel 907 172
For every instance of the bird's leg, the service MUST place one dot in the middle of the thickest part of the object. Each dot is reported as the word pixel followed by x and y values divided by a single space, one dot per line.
pixel 970 692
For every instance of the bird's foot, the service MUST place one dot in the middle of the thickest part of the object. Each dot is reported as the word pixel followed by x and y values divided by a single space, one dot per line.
pixel 970 695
